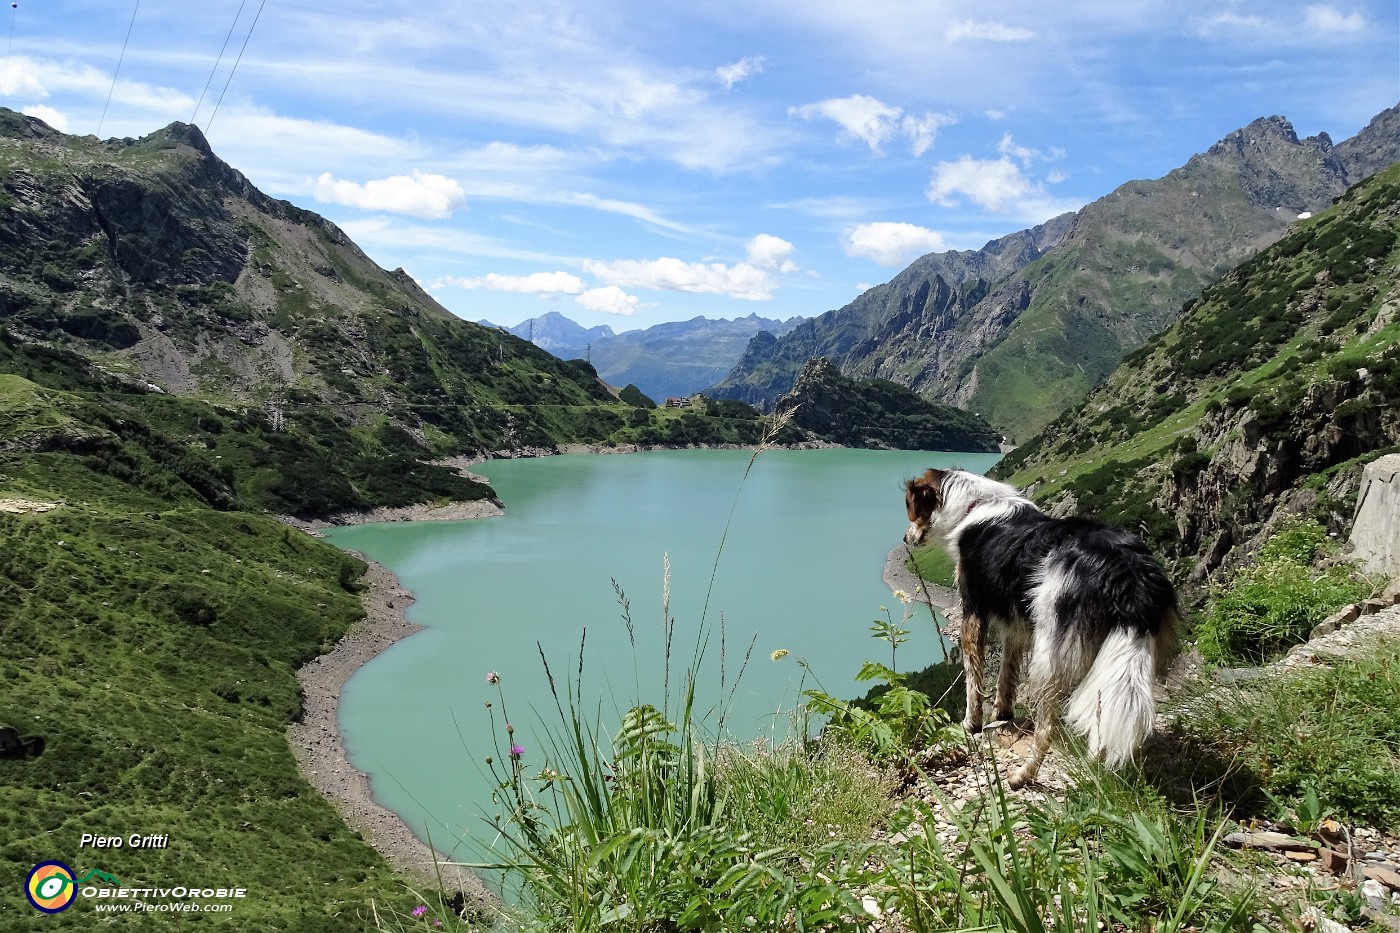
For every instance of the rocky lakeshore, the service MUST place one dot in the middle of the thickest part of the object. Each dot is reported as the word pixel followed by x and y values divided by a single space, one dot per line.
pixel 315 741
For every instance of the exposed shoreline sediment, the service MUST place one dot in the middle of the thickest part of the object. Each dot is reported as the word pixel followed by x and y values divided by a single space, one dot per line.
pixel 320 752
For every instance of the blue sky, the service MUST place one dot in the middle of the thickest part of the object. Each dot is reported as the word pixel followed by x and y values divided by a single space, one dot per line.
pixel 629 163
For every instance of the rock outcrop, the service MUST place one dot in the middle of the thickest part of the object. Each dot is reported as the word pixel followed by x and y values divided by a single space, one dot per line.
pixel 1375 530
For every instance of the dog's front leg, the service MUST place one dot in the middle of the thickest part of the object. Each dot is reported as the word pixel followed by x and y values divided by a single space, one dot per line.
pixel 974 655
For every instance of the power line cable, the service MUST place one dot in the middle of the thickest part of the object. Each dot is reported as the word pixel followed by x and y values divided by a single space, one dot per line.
pixel 236 63
pixel 120 59
pixel 14 14
pixel 218 61
pixel 165 215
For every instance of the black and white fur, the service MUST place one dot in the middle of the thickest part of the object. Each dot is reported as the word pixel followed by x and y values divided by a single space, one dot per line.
pixel 1095 609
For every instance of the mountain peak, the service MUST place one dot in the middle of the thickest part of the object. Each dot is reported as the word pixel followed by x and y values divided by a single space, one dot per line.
pixel 22 126
pixel 1264 132
pixel 1078 293
pixel 186 134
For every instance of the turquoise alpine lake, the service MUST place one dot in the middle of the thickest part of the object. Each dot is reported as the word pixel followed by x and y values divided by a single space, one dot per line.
pixel 789 558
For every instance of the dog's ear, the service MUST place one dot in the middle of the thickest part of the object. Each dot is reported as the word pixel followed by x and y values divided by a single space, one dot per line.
pixel 924 494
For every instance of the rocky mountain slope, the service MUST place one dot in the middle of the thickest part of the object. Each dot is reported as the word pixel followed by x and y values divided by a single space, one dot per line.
pixel 1266 397
pixel 955 282
pixel 677 358
pixel 163 264
pixel 1024 328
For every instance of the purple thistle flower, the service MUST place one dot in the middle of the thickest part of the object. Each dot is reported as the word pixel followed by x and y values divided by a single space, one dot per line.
pixel 420 910
pixel 517 750
pixel 493 678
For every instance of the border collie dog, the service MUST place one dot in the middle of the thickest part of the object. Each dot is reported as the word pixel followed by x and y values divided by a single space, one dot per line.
pixel 1095 609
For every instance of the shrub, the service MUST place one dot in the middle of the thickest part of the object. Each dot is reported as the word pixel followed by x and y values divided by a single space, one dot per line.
pixel 1273 604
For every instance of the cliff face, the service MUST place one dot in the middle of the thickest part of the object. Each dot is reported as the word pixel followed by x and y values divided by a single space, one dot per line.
pixel 890 330
pixel 1257 470
pixel 1024 328
pixel 1267 397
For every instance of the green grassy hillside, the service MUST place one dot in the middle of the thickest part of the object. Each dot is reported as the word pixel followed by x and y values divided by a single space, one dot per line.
pixel 150 640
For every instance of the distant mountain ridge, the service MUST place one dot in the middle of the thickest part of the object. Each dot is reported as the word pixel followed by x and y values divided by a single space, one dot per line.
pixel 561 336
pixel 677 358
pixel 1025 327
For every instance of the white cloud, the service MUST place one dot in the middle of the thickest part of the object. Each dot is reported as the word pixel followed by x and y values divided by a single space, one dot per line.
pixel 989 32
pixel 536 283
pixel 891 243
pixel 54 118
pixel 1320 22
pixel 839 207
pixel 19 79
pixel 995 184
pixel 1000 185
pixel 1231 22
pixel 741 280
pixel 393 242
pixel 608 300
pixel 742 70
pixel 875 122
pixel 770 252
pixel 626 208
pixel 923 130
pixel 499 157
pixel 1325 18
pixel 1007 147
pixel 431 197
pixel 861 116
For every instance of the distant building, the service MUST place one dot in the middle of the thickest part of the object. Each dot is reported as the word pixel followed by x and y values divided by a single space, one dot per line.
pixel 673 402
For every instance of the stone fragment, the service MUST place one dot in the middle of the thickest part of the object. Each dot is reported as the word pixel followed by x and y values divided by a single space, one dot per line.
pixel 1373 539
pixel 1315 919
pixel 1336 620
pixel 1380 919
pixel 1300 855
pixel 1274 842
pixel 1333 861
pixel 1385 875
pixel 1331 832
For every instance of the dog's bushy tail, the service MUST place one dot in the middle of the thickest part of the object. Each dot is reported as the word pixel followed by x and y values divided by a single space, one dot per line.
pixel 1114 706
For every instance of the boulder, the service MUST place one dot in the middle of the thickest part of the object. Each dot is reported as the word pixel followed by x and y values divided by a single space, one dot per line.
pixel 1375 533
